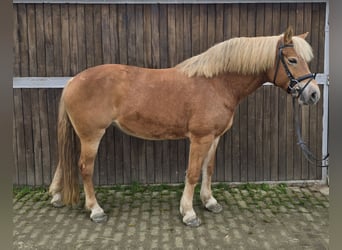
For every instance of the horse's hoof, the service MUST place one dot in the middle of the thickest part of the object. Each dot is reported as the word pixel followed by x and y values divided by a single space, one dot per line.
pixel 215 208
pixel 99 218
pixel 56 200
pixel 57 204
pixel 194 222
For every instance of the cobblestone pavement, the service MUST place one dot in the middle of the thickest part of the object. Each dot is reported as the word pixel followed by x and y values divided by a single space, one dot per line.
pixel 142 217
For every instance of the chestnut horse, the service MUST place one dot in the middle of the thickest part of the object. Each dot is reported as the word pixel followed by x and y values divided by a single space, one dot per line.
pixel 196 99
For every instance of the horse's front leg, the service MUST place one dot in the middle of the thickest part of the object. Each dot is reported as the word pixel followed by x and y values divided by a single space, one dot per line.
pixel 207 198
pixel 199 148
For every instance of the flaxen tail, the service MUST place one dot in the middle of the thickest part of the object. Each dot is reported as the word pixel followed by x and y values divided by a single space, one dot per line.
pixel 68 157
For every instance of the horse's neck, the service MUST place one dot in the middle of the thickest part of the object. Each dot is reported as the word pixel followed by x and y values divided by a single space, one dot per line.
pixel 242 85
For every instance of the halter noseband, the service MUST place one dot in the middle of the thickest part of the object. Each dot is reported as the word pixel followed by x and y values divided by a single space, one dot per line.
pixel 292 89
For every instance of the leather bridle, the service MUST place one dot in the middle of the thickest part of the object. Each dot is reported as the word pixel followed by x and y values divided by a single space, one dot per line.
pixel 294 89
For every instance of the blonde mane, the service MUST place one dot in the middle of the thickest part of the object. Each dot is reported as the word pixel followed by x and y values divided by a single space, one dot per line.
pixel 243 55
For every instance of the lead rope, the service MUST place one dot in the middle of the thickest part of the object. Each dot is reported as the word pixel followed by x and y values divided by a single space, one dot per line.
pixel 324 162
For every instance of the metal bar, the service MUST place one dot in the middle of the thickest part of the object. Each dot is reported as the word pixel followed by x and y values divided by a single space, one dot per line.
pixel 39 82
pixel 325 118
pixel 59 82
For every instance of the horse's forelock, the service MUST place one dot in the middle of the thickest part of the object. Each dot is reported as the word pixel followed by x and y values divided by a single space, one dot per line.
pixel 303 48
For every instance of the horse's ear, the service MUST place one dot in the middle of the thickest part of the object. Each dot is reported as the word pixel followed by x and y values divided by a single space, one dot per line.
pixel 304 35
pixel 288 35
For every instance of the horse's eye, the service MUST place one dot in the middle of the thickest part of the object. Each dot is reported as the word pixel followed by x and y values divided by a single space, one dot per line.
pixel 292 60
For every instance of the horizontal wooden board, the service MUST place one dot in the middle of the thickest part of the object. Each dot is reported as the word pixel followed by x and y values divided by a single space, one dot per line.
pixel 78 36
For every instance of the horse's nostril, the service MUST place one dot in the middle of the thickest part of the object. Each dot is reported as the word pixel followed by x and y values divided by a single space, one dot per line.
pixel 314 96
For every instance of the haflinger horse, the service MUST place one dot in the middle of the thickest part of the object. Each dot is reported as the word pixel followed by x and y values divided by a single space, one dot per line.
pixel 196 99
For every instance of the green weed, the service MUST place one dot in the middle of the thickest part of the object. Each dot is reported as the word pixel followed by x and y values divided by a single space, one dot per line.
pixel 38 192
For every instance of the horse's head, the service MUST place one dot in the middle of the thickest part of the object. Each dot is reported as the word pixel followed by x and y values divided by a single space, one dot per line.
pixel 291 71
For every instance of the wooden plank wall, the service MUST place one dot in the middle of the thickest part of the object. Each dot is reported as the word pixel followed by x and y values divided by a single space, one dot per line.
pixel 63 39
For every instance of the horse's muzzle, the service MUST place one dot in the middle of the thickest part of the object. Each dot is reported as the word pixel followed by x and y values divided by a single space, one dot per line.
pixel 310 95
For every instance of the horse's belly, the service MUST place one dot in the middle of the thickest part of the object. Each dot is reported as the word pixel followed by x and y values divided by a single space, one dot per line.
pixel 151 130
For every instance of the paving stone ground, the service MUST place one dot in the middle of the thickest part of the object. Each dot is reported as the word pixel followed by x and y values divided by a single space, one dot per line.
pixel 142 217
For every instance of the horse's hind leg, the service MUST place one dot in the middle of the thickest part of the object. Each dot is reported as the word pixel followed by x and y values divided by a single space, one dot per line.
pixel 89 147
pixel 207 198
pixel 199 148
pixel 56 187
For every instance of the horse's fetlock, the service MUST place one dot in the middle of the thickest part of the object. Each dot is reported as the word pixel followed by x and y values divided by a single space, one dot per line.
pixel 205 197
